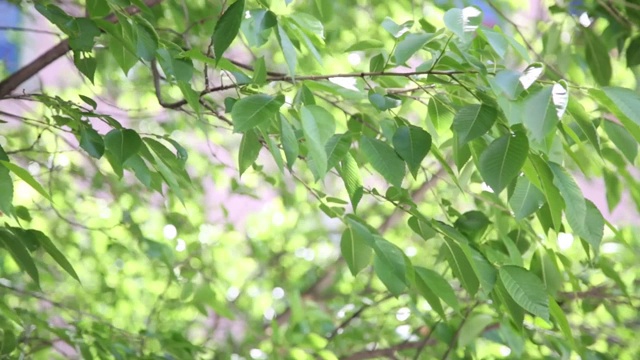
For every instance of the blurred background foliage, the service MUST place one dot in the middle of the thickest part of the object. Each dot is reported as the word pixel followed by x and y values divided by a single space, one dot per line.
pixel 236 267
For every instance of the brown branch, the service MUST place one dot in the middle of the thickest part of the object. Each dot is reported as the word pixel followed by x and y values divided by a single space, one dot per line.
pixel 390 351
pixel 25 73
pixel 286 78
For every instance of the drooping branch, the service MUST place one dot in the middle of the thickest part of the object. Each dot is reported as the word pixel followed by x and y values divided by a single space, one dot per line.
pixel 26 72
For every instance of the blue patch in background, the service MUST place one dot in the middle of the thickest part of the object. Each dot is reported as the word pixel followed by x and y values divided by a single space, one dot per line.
pixel 9 50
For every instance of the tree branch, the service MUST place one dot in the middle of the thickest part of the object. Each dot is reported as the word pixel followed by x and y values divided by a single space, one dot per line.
pixel 26 72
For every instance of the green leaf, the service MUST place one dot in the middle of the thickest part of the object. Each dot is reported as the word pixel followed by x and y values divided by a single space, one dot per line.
pixel 19 253
pixel 526 290
pixel 85 63
pixel 576 208
pixel 540 173
pixel 461 266
pixel 227 28
pixel 26 177
pixel 273 149
pixel 421 228
pixel 98 8
pixel 544 266
pixel 146 40
pixel 502 160
pixel 473 121
pixel 428 294
pixel 472 224
pixel 383 102
pixel 289 141
pixel 633 52
pixel 624 104
pixel 53 251
pixel 249 149
pixel 613 187
pixel 622 139
pixel 394 29
pixel 557 313
pixel 439 286
pixel 540 114
pixel 121 46
pixel 594 227
pixel 6 185
pixel 260 71
pixel 383 159
pixel 91 142
pixel 350 174
pixel 254 110
pixel 410 45
pixel 355 250
pixel 412 143
pixel 377 63
pixel 122 144
pixel 288 50
pixel 389 265
pixel 82 38
pixel 336 148
pixel 526 198
pixel 318 126
pixel 473 328
pixel 365 45
pixel 463 22
pixel 597 56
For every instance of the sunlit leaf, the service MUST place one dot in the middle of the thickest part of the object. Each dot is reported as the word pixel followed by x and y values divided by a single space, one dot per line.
pixel 502 160
pixel 526 290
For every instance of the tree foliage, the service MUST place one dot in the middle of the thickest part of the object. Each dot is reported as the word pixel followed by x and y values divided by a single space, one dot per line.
pixel 323 180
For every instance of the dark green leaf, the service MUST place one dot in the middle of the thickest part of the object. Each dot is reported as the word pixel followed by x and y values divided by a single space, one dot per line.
pixel 26 177
pixel 19 253
pixel 597 58
pixel 412 143
pixel 91 142
pixel 350 174
pixel 249 149
pixel 633 52
pixel 122 144
pixel 53 251
pixel 227 28
pixel 421 228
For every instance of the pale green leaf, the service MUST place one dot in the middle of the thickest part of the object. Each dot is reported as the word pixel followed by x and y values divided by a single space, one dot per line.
pixel 318 126
pixel 473 121
pixel 254 110
pixel 26 177
pixel 410 45
pixel 355 250
pixel 526 290
pixel 526 198
pixel 288 50
pixel 502 160
pixel 383 159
